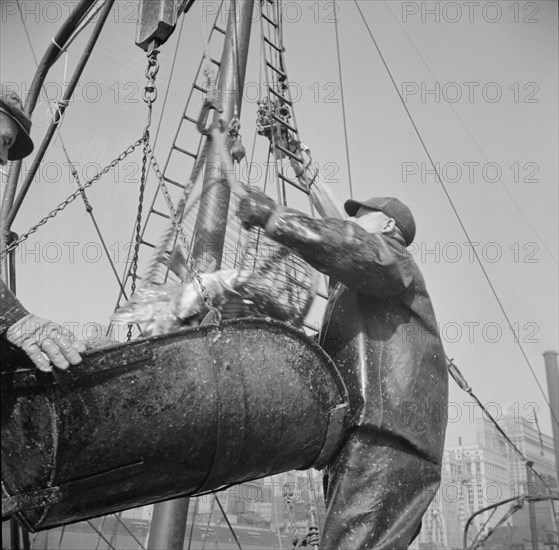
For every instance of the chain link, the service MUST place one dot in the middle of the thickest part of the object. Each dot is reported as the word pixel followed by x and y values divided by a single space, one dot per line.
pixel 150 91
pixel 176 215
pixel 134 266
pixel 72 197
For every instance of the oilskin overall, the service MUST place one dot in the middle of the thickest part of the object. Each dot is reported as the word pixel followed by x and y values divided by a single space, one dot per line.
pixel 380 329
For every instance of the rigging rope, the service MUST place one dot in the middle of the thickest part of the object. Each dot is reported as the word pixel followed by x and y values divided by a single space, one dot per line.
pixel 229 524
pixel 461 381
pixel 27 33
pixel 118 518
pixel 510 512
pixel 109 544
pixel 89 210
pixel 71 198
pixel 127 263
pixel 483 527
pixel 335 8
pixel 472 138
pixel 208 524
pixel 486 275
pixel 73 170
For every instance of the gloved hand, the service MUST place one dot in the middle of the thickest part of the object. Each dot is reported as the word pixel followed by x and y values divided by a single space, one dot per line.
pixel 45 342
pixel 255 208
pixel 313 537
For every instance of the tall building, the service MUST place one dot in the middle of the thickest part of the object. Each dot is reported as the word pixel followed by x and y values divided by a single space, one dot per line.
pixel 539 449
pixel 485 473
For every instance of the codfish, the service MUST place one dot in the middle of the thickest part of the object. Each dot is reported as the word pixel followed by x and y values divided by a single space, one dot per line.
pixel 159 309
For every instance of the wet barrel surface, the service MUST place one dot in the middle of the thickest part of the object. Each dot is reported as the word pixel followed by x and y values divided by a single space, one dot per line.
pixel 165 417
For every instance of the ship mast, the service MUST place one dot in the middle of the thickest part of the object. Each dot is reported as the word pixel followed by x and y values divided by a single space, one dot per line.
pixel 169 519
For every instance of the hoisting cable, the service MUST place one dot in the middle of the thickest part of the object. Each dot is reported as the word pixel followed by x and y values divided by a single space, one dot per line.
pixel 461 381
pixel 473 140
pixel 73 170
pixel 71 198
pixel 62 531
pixel 456 213
pixel 483 527
pixel 208 524
pixel 229 524
pixel 111 547
pixel 539 431
pixel 192 525
pixel 118 518
pixel 126 266
pixel 27 33
pixel 63 103
pixel 102 527
pixel 518 504
pixel 89 210
pixel 149 96
pixel 176 221
pixel 335 7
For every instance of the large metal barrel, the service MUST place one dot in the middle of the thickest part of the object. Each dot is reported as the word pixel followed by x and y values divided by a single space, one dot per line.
pixel 164 417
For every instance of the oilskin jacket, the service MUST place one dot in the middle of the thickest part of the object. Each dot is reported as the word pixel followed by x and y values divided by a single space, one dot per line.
pixel 379 327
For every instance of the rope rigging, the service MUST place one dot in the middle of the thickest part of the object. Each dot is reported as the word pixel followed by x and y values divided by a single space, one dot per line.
pixel 346 140
pixel 89 209
pixel 463 384
pixel 177 213
pixel 458 217
pixel 474 141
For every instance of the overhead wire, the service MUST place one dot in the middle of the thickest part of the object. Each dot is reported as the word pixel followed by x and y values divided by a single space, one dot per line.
pixel 509 513
pixel 539 237
pixel 109 543
pixel 73 170
pixel 27 33
pixel 463 384
pixel 344 117
pixel 458 217
pixel 229 524
pixel 122 279
pixel 483 527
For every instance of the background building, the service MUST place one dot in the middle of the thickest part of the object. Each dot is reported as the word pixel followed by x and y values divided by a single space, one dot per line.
pixel 489 471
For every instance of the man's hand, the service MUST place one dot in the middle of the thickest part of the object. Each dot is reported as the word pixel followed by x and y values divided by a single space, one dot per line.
pixel 255 208
pixel 313 537
pixel 45 342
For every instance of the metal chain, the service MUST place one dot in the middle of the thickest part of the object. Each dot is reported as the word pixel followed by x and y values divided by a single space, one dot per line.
pixel 175 218
pixel 134 266
pixel 149 96
pixel 72 197
pixel 150 91
pixel 135 257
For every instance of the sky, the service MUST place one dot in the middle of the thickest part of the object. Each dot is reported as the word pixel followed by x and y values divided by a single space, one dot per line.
pixel 480 82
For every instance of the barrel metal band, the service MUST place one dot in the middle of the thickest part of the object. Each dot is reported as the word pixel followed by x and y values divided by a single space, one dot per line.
pixel 333 436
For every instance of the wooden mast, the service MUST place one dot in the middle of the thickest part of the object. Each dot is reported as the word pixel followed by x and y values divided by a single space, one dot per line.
pixel 211 221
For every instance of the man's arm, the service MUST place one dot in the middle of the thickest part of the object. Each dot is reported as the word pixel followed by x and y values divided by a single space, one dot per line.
pixel 368 263
pixel 11 309
pixel 42 340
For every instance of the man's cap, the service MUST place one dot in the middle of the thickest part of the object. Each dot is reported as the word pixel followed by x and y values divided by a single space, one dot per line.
pixel 390 206
pixel 10 104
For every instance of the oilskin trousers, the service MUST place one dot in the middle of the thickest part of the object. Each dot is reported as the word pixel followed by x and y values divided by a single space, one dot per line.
pixel 377 490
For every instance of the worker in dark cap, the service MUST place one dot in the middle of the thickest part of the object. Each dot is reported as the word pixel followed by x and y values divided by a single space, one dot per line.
pixel 380 329
pixel 45 342
pixel 15 127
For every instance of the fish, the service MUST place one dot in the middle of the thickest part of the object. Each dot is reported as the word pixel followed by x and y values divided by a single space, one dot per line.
pixel 163 308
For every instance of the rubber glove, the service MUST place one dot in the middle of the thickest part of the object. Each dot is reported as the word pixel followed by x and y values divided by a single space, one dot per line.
pixel 255 209
pixel 45 342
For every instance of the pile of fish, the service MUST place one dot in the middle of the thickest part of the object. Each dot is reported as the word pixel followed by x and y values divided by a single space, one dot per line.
pixel 160 309
pixel 163 308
